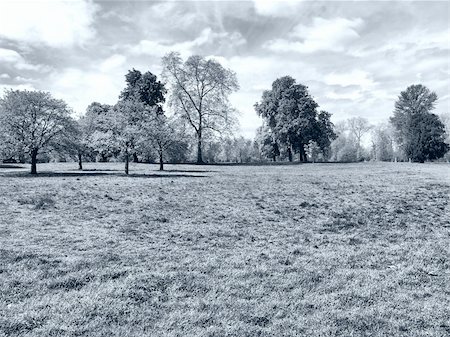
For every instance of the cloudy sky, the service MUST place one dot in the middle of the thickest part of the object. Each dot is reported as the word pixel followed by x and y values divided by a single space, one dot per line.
pixel 355 57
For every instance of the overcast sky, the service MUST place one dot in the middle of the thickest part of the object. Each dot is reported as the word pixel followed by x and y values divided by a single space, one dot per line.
pixel 355 57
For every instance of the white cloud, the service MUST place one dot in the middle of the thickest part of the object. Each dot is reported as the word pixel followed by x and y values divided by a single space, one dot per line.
pixel 324 34
pixel 113 62
pixel 54 23
pixel 80 88
pixel 276 8
pixel 207 36
pixel 5 76
pixel 13 58
pixel 355 77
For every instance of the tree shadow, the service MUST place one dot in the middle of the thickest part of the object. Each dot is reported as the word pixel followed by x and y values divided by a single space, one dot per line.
pixel 82 174
pixel 11 166
pixel 161 175
pixel 188 171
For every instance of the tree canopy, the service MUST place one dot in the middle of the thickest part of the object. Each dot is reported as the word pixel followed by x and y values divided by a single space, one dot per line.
pixel 419 133
pixel 32 121
pixel 200 90
pixel 291 114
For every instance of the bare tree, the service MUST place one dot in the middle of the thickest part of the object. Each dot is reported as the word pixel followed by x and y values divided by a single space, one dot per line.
pixel 199 93
pixel 358 127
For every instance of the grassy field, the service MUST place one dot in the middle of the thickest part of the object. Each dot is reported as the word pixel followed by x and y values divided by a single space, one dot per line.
pixel 305 250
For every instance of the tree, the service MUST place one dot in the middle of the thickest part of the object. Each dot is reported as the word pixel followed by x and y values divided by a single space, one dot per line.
pixel 146 89
pixel 427 138
pixel 33 120
pixel 419 133
pixel 161 134
pixel 291 114
pixel 199 94
pixel 382 143
pixel 96 131
pixel 267 145
pixel 358 127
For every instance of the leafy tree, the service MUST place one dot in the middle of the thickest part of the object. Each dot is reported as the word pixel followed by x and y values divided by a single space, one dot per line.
pixel 419 133
pixel 96 131
pixel 427 138
pixel 32 121
pixel 145 88
pixel 161 135
pixel 200 91
pixel 129 120
pixel 267 144
pixel 291 114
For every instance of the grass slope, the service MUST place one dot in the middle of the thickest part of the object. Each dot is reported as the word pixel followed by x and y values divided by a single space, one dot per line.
pixel 311 250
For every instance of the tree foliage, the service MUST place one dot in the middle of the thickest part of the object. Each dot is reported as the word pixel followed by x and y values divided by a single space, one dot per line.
pixel 419 133
pixel 32 121
pixel 291 114
pixel 200 90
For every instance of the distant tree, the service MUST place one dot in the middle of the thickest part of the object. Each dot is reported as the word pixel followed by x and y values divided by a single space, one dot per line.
pixel 200 91
pixel 31 121
pixel 96 131
pixel 343 148
pixel 419 133
pixel 382 143
pixel 445 118
pixel 267 144
pixel 358 127
pixel 291 114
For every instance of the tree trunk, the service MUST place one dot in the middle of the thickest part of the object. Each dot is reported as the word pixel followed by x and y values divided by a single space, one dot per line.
pixel 199 151
pixel 302 153
pixel 127 162
pixel 161 162
pixel 80 161
pixel 34 153
pixel 290 154
pixel 135 158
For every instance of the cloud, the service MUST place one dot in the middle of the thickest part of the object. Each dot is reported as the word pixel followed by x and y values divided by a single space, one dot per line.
pixel 207 37
pixel 324 34
pixel 276 8
pixel 5 76
pixel 355 77
pixel 113 62
pixel 54 23
pixel 13 58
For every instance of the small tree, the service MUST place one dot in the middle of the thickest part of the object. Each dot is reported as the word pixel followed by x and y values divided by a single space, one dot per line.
pixel 32 120
pixel 161 135
pixel 200 91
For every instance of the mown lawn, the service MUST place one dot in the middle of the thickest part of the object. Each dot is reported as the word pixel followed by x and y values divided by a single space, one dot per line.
pixel 306 250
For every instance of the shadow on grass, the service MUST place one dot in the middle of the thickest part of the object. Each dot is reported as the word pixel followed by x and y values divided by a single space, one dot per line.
pixel 162 175
pixel 11 166
pixel 188 171
pixel 47 174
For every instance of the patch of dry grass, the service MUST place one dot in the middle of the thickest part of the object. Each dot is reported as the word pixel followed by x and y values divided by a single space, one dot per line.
pixel 311 250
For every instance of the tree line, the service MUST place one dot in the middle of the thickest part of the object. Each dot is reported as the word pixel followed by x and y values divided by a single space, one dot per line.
pixel 35 126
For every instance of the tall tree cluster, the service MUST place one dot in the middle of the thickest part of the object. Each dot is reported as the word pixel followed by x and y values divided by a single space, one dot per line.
pixel 419 133
pixel 292 120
